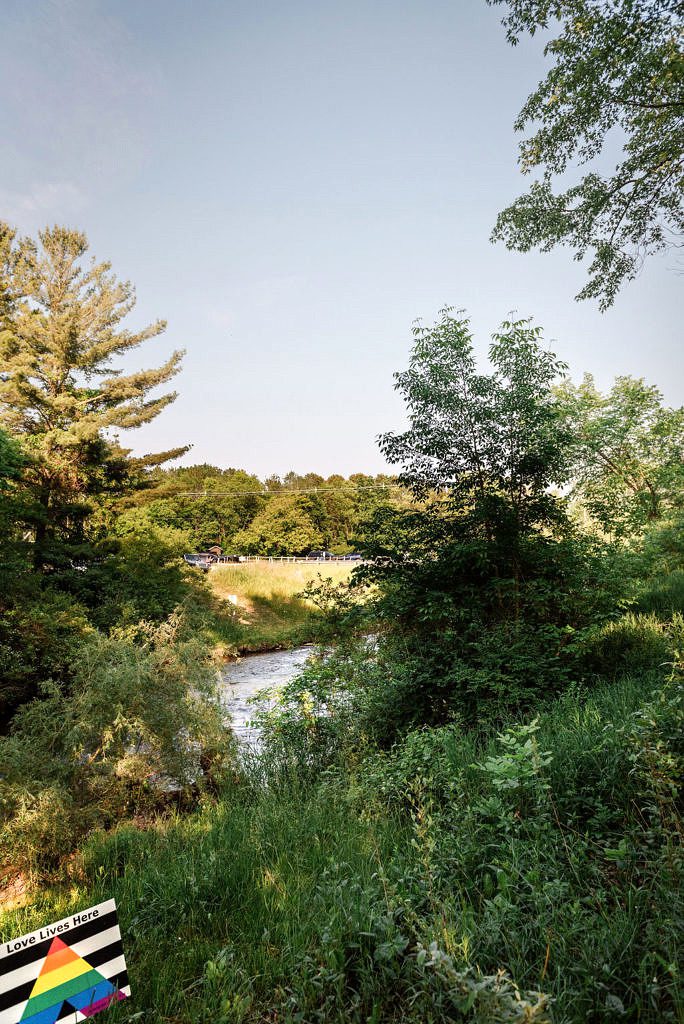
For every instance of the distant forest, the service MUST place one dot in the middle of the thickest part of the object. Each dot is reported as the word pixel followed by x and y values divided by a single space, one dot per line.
pixel 286 515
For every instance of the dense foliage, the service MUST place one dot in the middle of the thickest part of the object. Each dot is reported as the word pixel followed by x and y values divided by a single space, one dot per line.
pixel 484 589
pixel 467 807
pixel 531 875
pixel 245 515
pixel 137 720
pixel 106 684
pixel 627 469
pixel 617 71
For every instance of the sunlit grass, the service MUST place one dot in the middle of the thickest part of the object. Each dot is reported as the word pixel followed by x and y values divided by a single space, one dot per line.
pixel 273 579
pixel 262 603
pixel 307 902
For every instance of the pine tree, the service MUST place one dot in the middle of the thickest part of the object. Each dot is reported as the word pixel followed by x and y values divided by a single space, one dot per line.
pixel 60 330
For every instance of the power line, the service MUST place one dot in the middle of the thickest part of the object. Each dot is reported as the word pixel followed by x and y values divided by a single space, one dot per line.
pixel 288 490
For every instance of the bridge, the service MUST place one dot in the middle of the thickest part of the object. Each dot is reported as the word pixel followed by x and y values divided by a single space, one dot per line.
pixel 207 560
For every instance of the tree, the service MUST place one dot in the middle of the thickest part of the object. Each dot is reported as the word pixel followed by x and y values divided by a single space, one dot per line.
pixel 12 465
pixel 618 65
pixel 39 629
pixel 283 528
pixel 481 587
pixel 628 461
pixel 60 328
pixel 211 504
pixel 481 438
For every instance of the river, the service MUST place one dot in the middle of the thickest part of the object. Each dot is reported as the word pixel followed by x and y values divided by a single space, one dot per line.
pixel 241 679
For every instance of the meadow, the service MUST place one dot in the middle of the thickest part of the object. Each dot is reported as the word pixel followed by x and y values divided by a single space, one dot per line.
pixel 261 604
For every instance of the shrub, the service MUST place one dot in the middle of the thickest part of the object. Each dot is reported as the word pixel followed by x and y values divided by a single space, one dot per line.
pixel 632 644
pixel 139 574
pixel 481 628
pixel 40 631
pixel 551 831
pixel 133 723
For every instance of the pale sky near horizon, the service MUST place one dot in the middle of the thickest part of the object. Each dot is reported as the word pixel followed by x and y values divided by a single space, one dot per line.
pixel 290 186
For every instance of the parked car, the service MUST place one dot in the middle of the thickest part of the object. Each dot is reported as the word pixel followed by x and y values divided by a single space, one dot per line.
pixel 200 560
pixel 320 556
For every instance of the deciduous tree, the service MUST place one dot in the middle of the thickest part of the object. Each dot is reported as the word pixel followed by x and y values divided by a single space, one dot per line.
pixel 481 587
pixel 284 527
pixel 618 67
pixel 628 453
pixel 478 436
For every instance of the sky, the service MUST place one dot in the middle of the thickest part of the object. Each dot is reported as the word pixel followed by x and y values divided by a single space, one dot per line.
pixel 290 186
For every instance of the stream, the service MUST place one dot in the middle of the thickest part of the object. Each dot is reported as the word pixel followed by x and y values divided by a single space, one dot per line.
pixel 242 679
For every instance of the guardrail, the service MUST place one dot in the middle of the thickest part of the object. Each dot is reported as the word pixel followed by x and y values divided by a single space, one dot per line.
pixel 209 563
pixel 287 558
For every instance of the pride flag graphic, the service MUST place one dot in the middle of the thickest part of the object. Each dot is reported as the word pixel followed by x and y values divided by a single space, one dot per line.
pixel 66 977
pixel 65 972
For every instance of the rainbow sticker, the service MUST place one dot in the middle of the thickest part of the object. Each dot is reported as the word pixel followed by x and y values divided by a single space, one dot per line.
pixel 67 971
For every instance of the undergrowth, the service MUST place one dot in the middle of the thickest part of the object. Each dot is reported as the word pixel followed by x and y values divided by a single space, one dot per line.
pixel 529 875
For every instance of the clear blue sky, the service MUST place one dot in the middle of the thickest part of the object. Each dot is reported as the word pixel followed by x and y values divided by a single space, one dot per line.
pixel 290 185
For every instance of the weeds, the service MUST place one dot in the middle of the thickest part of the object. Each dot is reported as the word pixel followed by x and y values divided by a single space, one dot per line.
pixel 263 606
pixel 530 875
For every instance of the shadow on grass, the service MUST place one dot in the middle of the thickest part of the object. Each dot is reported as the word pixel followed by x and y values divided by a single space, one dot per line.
pixel 265 624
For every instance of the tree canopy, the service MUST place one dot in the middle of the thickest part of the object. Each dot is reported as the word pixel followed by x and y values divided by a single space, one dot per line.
pixel 60 394
pixel 284 527
pixel 617 67
pixel 477 436
pixel 481 585
pixel 628 453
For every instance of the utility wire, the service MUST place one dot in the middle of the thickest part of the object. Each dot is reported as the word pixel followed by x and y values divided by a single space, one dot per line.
pixel 285 490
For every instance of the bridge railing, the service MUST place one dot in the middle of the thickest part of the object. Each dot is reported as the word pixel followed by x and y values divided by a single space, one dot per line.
pixel 203 561
pixel 286 558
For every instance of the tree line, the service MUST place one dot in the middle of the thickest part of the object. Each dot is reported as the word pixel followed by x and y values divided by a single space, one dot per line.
pixel 277 516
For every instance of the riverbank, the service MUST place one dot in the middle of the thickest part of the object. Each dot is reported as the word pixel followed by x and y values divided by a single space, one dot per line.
pixel 364 895
pixel 261 607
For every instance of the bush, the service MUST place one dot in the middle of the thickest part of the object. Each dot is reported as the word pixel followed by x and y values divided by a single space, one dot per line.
pixel 40 631
pixel 481 629
pixel 633 644
pixel 135 721
pixel 140 574
pixel 553 831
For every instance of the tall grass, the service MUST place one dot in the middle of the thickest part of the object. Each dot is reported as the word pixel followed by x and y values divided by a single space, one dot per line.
pixel 395 890
pixel 262 609
pixel 289 909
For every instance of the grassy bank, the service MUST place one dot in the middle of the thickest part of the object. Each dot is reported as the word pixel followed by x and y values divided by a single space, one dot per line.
pixel 395 891
pixel 261 605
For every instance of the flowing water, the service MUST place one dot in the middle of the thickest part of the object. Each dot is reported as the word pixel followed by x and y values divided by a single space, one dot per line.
pixel 242 679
